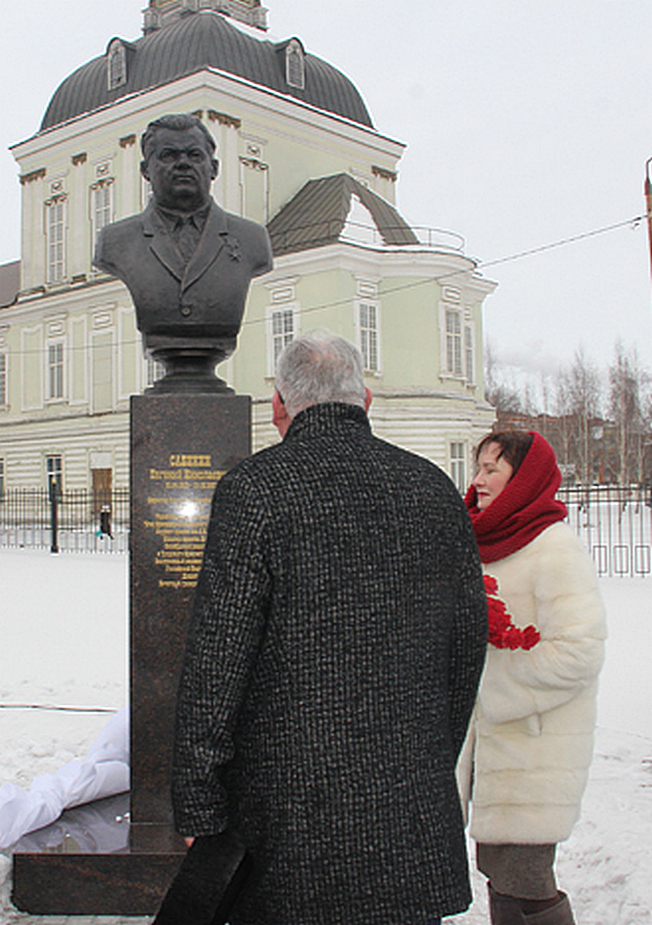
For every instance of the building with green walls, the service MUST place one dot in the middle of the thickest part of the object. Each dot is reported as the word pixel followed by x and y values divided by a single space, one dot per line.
pixel 298 152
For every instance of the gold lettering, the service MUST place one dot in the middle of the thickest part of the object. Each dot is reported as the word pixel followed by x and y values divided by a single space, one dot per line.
pixel 194 462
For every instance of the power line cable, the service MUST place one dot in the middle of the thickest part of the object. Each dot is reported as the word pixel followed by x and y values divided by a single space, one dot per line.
pixel 414 284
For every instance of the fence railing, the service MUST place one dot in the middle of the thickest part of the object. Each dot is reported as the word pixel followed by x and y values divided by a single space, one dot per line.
pixel 71 521
pixel 614 522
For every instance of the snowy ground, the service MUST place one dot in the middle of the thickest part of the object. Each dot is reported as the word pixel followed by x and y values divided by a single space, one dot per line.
pixel 63 643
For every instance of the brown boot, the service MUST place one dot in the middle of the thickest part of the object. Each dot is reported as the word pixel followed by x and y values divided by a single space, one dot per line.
pixel 506 910
pixel 559 914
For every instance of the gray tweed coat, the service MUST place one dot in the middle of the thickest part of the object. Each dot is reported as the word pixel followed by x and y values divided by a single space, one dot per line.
pixel 336 645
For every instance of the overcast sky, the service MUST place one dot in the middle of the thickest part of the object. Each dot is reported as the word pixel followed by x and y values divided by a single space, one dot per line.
pixel 527 123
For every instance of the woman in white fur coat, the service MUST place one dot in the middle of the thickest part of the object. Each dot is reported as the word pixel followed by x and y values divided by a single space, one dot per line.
pixel 525 763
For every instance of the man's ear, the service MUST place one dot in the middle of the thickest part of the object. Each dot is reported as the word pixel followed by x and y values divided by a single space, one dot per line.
pixel 280 418
pixel 215 168
pixel 143 169
pixel 368 397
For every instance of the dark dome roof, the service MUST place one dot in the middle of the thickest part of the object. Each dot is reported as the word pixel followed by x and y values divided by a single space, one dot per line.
pixel 193 43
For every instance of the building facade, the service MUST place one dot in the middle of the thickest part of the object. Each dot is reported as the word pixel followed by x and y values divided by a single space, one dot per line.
pixel 298 152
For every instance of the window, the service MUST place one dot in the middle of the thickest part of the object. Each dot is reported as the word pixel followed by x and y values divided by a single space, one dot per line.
pixel 55 239
pixel 145 192
pixel 2 480
pixel 368 327
pixel 54 471
pixel 55 370
pixel 3 379
pixel 282 331
pixel 458 464
pixel 468 354
pixel 101 206
pixel 116 72
pixel 453 342
pixel 295 66
pixel 155 371
pixel 283 319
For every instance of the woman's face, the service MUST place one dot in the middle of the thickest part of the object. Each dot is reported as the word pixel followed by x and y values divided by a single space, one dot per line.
pixel 494 472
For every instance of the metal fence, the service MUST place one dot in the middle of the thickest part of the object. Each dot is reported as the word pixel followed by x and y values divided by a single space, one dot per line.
pixel 70 521
pixel 614 522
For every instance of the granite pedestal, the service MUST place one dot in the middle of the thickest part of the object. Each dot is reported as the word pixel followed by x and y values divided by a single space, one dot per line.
pixel 181 444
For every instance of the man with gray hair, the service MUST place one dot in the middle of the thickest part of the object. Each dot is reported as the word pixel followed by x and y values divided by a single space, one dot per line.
pixel 336 645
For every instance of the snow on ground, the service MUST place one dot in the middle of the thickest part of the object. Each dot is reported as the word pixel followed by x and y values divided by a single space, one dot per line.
pixel 63 641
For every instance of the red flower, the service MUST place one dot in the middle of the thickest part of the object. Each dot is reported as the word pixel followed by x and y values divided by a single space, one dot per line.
pixel 490 584
pixel 502 632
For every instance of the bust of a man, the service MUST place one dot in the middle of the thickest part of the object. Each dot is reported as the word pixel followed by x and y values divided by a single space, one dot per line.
pixel 186 262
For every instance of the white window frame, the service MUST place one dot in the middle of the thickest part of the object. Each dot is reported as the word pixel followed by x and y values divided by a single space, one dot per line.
pixel 469 353
pixel 54 471
pixel 368 335
pixel 153 371
pixel 56 217
pixel 145 192
pixel 457 459
pixel 55 369
pixel 101 205
pixel 282 328
pixel 453 341
pixel 451 332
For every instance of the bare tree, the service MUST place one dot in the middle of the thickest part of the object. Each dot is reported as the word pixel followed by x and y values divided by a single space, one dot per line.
pixel 629 406
pixel 503 396
pixel 579 397
pixel 562 406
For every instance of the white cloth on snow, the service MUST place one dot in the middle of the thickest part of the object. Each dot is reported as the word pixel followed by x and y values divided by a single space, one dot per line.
pixel 104 772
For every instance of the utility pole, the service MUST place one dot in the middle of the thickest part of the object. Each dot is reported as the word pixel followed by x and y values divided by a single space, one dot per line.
pixel 648 205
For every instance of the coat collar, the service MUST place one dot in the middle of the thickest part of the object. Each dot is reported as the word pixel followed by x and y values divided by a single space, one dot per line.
pixel 213 239
pixel 328 417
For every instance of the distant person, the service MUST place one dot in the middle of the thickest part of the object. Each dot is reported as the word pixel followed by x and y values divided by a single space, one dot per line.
pixel 525 763
pixel 338 637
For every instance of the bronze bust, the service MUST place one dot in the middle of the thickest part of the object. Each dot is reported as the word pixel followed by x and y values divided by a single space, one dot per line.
pixel 186 262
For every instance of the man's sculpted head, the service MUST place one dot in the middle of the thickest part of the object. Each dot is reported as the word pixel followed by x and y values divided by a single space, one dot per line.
pixel 179 162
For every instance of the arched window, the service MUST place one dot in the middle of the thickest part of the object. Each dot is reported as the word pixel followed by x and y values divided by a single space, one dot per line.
pixel 295 66
pixel 116 72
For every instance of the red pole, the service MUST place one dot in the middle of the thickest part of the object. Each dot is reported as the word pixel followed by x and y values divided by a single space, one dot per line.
pixel 648 205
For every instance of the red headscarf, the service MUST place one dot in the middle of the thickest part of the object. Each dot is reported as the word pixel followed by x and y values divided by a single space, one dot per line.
pixel 523 509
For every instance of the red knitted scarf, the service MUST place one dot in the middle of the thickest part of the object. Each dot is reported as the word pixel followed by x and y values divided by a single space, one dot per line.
pixel 523 509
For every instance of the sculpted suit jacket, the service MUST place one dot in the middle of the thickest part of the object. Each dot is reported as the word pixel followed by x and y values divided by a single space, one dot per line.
pixel 337 640
pixel 206 298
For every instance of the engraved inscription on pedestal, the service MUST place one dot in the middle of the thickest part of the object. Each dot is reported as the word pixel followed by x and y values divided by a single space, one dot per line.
pixel 179 504
pixel 181 446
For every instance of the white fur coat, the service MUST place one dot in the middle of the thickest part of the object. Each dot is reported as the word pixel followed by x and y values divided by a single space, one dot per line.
pixel 526 758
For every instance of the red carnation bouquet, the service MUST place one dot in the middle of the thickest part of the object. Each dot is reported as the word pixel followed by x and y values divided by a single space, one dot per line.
pixel 502 632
